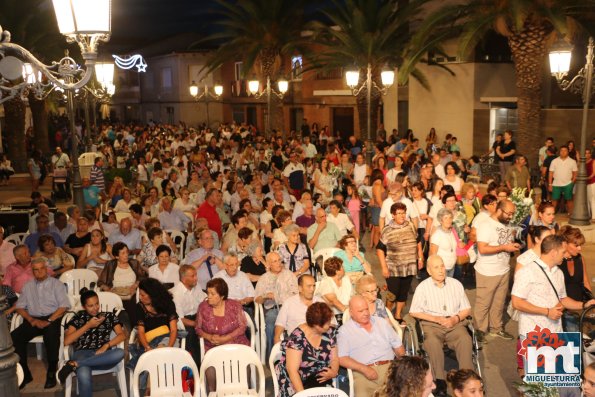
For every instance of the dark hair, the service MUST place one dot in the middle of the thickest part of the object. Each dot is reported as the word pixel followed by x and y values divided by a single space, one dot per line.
pixel 154 232
pixel 44 239
pixel 572 235
pixel 160 297
pixel 265 202
pixel 318 313
pixel 448 189
pixel 86 294
pixel 336 203
pixel 332 265
pixel 544 206
pixel 117 247
pixel 162 248
pixel 243 203
pixel 488 199
pixel 551 243
pixel 405 377
pixel 397 206
pixel 458 379
pixel 302 277
pixel 245 233
pixel 376 174
pixel 447 196
pixel 419 186
pixel 343 241
pixel 536 232
pixel 235 219
pixel 276 209
pixel 136 208
pixel 220 286
pixel 282 216
pixel 475 159
pixel 492 186
pixel 453 165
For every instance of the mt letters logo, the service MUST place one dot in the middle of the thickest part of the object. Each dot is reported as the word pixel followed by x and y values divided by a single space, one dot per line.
pixel 552 358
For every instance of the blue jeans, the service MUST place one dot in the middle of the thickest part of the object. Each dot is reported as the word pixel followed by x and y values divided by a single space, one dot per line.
pixel 87 361
pixel 270 316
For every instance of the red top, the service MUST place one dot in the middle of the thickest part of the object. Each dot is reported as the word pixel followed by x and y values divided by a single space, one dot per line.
pixel 589 172
pixel 209 212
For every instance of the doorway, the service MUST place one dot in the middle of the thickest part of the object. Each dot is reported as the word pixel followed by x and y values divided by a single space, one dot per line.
pixel 343 122
pixel 296 119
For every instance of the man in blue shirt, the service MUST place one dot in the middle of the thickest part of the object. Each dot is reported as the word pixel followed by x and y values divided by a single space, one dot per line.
pixel 43 227
pixel 91 193
pixel 42 304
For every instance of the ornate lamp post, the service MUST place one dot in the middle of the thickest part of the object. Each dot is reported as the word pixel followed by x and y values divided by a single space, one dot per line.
pixel 87 23
pixel 581 84
pixel 253 88
pixel 205 96
pixel 352 79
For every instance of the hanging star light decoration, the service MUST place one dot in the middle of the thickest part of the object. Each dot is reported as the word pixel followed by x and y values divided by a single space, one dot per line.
pixel 130 62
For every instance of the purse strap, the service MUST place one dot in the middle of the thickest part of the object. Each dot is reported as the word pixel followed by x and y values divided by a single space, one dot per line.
pixel 548 279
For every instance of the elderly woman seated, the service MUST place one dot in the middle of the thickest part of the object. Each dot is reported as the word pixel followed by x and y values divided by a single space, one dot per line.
pixel 294 254
pixel 58 260
pixel 220 321
pixel 335 288
pixel 367 287
pixel 354 262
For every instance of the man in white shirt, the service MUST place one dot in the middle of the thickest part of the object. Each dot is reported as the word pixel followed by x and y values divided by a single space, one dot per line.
pixel 187 295
pixel 495 243
pixel 293 311
pixel 438 167
pixel 338 218
pixel 561 178
pixel 238 283
pixel 441 305
pixel 294 175
pixel 395 195
pixel 172 218
pixel 309 149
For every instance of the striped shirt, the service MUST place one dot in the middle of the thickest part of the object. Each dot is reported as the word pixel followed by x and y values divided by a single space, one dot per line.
pixel 447 299
pixel 97 178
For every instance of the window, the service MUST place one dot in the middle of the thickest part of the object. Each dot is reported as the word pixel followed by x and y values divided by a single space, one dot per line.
pixel 238 70
pixel 166 78
pixel 296 67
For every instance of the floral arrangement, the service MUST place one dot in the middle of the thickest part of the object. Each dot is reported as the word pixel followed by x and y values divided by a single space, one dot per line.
pixel 536 390
pixel 524 205
pixel 336 172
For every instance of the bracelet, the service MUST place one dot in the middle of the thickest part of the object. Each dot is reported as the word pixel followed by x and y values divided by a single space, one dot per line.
pixel 459 317
pixel 548 311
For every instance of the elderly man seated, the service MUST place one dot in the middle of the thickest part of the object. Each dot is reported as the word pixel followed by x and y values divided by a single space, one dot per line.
pixel 42 304
pixel 19 273
pixel 442 306
pixel 238 283
pixel 272 290
pixel 172 218
pixel 323 234
pixel 62 226
pixel 43 227
pixel 207 260
pixel 42 209
pixel 128 235
pixel 187 295
pixel 367 345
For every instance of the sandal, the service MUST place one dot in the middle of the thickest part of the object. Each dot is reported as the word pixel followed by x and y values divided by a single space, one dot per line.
pixel 68 368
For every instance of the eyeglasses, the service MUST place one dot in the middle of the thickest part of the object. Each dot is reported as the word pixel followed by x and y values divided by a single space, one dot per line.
pixel 374 291
pixel 508 213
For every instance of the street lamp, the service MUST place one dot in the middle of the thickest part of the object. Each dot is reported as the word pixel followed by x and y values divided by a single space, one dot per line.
pixel 352 78
pixel 206 95
pixel 253 88
pixel 581 84
pixel 87 23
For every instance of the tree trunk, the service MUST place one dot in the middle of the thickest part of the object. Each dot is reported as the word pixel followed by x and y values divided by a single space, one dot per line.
pixel 529 50
pixel 39 112
pixel 362 111
pixel 14 116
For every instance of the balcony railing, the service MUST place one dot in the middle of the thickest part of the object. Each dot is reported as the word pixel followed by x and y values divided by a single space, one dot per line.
pixel 239 88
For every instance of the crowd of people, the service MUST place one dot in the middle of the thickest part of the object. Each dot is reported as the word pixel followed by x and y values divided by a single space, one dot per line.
pixel 199 226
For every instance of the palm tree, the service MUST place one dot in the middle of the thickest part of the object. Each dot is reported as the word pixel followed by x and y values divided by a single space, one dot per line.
pixel 260 33
pixel 369 32
pixel 530 27
pixel 37 31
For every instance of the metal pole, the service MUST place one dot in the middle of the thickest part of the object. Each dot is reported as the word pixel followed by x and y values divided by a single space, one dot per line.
pixel 369 144
pixel 8 359
pixel 268 117
pixel 580 214
pixel 87 124
pixel 77 190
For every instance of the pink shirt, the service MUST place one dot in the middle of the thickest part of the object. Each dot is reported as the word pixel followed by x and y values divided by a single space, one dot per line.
pixel 16 276
pixel 6 255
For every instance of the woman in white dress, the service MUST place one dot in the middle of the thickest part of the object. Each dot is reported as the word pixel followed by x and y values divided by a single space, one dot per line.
pixel 443 242
pixel 452 177
pixel 323 182
pixel 335 288
pixel 360 170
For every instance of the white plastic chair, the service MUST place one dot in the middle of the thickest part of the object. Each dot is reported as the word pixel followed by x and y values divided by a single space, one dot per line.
pixel 261 342
pixel 108 301
pixel 20 374
pixel 230 363
pixel 180 240
pixel 273 360
pixel 16 321
pixel 17 238
pixel 119 370
pixel 325 253
pixel 165 366
pixel 321 392
pixel 252 336
pixel 76 279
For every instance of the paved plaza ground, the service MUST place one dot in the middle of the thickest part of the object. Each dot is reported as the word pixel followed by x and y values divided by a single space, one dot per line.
pixel 497 357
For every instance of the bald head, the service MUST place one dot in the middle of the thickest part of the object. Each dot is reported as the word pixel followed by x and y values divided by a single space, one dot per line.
pixel 359 310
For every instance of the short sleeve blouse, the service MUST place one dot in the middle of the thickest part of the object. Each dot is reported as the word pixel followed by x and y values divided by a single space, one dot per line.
pixel 96 337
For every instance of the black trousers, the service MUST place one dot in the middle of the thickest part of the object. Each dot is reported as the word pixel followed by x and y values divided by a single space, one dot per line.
pixel 192 345
pixel 51 340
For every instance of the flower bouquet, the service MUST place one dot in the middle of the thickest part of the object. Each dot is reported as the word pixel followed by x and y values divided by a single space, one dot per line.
pixel 524 208
pixel 337 174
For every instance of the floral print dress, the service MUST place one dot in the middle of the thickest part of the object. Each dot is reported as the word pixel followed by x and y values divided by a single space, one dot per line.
pixel 313 360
